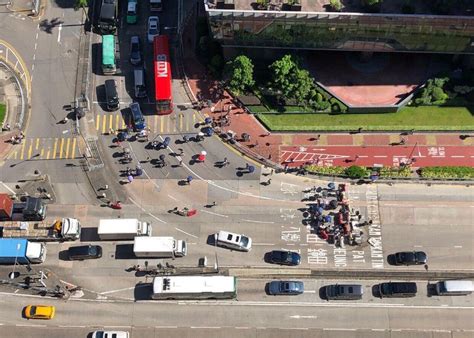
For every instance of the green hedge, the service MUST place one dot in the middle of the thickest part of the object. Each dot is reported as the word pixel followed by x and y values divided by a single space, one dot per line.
pixel 447 172
pixel 325 170
pixel 388 172
pixel 3 109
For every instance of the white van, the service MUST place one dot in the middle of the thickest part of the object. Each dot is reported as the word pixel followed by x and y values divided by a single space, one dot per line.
pixel 233 241
pixel 454 288
pixel 139 83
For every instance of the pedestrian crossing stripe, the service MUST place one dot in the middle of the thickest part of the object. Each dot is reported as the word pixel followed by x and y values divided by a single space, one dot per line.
pixel 38 148
pixel 167 124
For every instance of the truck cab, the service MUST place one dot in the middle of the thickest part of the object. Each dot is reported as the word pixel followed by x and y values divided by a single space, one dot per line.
pixel 33 209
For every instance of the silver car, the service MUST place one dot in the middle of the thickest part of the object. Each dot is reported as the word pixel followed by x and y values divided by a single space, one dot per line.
pixel 153 28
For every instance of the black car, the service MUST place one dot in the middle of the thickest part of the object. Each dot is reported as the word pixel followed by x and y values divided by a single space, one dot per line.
pixel 135 50
pixel 398 289
pixel 410 258
pixel 79 253
pixel 283 257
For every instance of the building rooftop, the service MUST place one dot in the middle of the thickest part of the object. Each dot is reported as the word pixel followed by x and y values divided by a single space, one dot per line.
pixel 458 7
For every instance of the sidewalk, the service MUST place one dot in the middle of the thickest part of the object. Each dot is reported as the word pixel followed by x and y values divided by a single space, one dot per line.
pixel 326 149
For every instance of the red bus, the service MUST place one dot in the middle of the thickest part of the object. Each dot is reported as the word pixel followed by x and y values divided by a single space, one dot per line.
pixel 162 74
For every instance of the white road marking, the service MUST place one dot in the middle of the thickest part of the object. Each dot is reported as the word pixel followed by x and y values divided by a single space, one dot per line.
pixel 187 233
pixel 118 290
pixel 457 156
pixel 252 221
pixel 60 27
pixel 263 244
pixel 213 213
pixel 458 246
pixel 379 156
pixel 6 186
pixel 205 327
pixel 174 199
pixel 148 213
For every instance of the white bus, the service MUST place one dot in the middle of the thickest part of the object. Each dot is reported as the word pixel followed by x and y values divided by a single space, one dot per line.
pixel 194 287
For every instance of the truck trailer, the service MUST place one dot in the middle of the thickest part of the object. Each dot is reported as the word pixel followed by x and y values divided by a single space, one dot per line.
pixel 123 229
pixel 159 247
pixel 31 209
pixel 21 251
pixel 65 229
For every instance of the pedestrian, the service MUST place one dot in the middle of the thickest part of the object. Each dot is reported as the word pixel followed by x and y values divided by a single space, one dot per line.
pixel 180 163
pixel 247 166
pixel 111 131
pixel 269 181
pixel 189 179
pixel 130 178
pixel 64 120
pixel 213 204
pixel 181 152
pixel 359 130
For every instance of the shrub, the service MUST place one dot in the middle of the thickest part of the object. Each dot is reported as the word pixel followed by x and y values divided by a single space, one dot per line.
pixel 355 171
pixel 325 170
pixel 448 172
pixel 319 98
pixel 387 172
pixel 335 5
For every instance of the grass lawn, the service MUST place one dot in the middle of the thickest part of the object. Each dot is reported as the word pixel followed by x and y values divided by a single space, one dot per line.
pixel 3 109
pixel 419 118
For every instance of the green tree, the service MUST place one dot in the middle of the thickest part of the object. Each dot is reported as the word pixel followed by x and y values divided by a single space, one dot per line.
pixel 372 2
pixel 289 80
pixel 355 171
pixel 81 4
pixel 335 5
pixel 240 74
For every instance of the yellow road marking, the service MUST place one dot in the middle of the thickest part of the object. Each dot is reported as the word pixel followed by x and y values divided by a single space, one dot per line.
pixel 37 143
pixel 104 124
pixel 48 153
pixel 14 155
pixel 30 150
pixel 73 152
pixel 67 147
pixel 55 146
pixel 61 148
pixel 161 125
pixel 180 121
pixel 97 123
pixel 41 152
pixel 111 121
pixel 22 152
pixel 117 122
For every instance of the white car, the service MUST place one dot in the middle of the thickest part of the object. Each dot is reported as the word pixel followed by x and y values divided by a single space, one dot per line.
pixel 110 334
pixel 153 28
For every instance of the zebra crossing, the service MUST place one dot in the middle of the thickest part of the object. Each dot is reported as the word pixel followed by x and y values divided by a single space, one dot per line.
pixel 168 124
pixel 39 148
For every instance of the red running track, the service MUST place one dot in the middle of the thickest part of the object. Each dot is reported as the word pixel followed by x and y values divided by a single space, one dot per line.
pixel 418 156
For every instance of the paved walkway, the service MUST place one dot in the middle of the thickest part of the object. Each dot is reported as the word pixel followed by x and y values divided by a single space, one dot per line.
pixel 332 149
pixel 326 149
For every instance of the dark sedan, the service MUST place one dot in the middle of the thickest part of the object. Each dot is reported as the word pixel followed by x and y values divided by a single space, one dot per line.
pixel 285 257
pixel 410 258
pixel 278 287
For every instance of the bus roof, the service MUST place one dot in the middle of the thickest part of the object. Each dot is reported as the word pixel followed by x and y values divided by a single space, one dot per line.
pixel 108 49
pixel 162 68
pixel 194 284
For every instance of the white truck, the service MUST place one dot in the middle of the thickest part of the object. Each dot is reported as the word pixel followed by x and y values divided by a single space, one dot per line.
pixel 122 229
pixel 159 247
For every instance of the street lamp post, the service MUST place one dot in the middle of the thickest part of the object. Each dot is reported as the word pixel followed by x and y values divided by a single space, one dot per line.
pixel 15 274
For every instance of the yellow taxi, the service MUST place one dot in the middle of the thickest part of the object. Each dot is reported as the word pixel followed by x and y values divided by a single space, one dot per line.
pixel 39 311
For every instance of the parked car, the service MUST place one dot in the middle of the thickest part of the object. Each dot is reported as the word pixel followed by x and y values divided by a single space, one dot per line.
pixel 283 257
pixel 110 334
pixel 343 292
pixel 410 258
pixel 398 289
pixel 279 287
pixel 135 50
pixel 79 253
pixel 153 28
pixel 39 311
